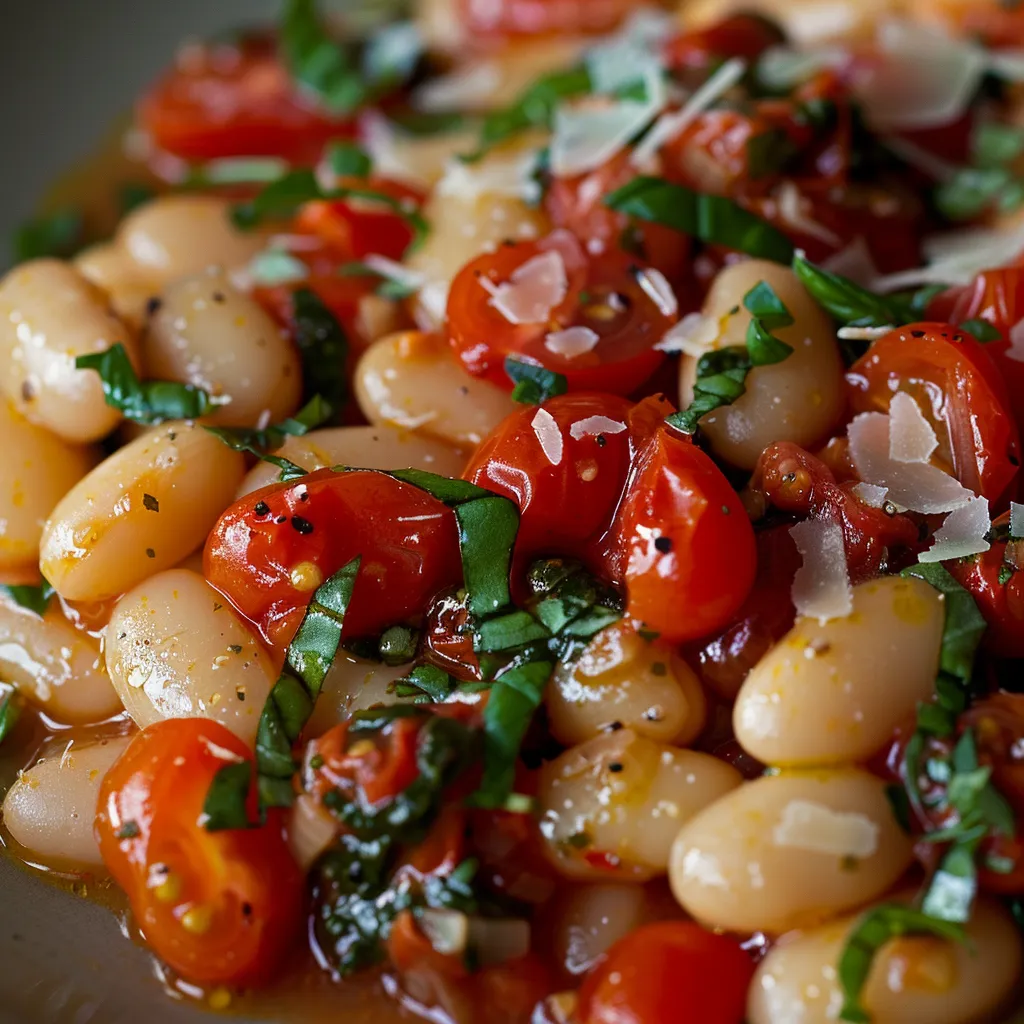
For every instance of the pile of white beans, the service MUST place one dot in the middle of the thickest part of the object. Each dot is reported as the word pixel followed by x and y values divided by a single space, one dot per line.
pixel 794 854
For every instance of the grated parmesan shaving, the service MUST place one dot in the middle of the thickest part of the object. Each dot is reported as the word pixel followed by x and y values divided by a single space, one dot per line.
pixel 821 587
pixel 1016 521
pixel 911 438
pixel 807 825
pixel 863 333
pixel 695 335
pixel 546 430
pixel 591 426
pixel 572 342
pixel 496 176
pixel 658 290
pixel 533 290
pixel 871 494
pixel 962 533
pixel 395 271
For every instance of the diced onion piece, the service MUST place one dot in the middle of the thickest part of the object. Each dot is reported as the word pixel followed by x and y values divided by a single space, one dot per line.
pixel 447 930
pixel 668 126
pixel 572 342
pixel 807 825
pixel 592 426
pixel 911 438
pixel 962 533
pixel 821 587
pixel 495 176
pixel 496 940
pixel 545 427
pixel 871 494
pixel 468 87
pixel 1016 520
pixel 911 485
pixel 533 290
pixel 695 335
pixel 658 290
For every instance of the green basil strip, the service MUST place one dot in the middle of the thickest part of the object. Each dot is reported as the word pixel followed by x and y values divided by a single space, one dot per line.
pixel 347 159
pixel 36 599
pixel 713 219
pixel 224 806
pixel 871 933
pixel 848 302
pixel 954 885
pixel 981 330
pixel 505 632
pixel 513 699
pixel 60 234
pixel 10 712
pixel 147 402
pixel 534 384
pixel 323 347
pixel 427 681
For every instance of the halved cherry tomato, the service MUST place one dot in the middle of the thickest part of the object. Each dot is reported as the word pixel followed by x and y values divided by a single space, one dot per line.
pixel 227 100
pixel 958 388
pixel 685 547
pixel 670 972
pixel 271 549
pixel 506 19
pixel 604 295
pixel 221 908
pixel 739 35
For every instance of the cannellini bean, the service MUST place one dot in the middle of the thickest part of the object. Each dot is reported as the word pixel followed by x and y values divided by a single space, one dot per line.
pixel 624 796
pixel 913 979
pixel 622 678
pixel 141 510
pixel 799 399
pixel 50 808
pixel 107 266
pixel 54 665
pixel 351 685
pixel 833 692
pixel 176 235
pixel 789 850
pixel 176 650
pixel 805 21
pixel 37 469
pixel 49 315
pixel 380 447
pixel 207 333
pixel 412 380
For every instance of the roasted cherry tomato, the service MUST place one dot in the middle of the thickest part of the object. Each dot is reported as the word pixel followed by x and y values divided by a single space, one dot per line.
pixel 508 19
pixel 227 100
pixel 223 907
pixel 671 972
pixel 958 388
pixel 520 299
pixel 685 547
pixel 270 551
pixel 565 465
pixel 740 35
pixel 997 585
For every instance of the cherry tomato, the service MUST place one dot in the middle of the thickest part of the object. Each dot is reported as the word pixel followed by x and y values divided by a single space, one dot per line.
pixel 685 546
pixel 997 585
pixel 227 100
pixel 793 480
pixel 505 19
pixel 958 387
pixel 219 907
pixel 670 972
pixel 271 549
pixel 603 295
pixel 739 35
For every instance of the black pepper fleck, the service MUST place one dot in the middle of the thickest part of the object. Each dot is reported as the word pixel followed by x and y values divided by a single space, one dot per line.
pixel 218 297
pixel 262 508
pixel 153 305
pixel 304 526
pixel 150 553
pixel 917 334
pixel 281 519
pixel 601 440
pixel 663 544
pixel 615 766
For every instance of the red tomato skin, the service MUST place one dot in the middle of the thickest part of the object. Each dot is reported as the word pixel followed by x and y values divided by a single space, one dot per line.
pixel 408 542
pixel 246 877
pixel 965 391
pixel 684 544
pixel 739 35
pixel 670 972
pixel 229 101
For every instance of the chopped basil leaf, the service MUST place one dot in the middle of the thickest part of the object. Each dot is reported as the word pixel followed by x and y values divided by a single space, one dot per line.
pixel 534 384
pixel 982 330
pixel 769 152
pixel 36 599
pixel 505 632
pixel 224 806
pixel 422 123
pixel 713 219
pixel 10 711
pixel 323 348
pixel 996 145
pixel 147 402
pixel 972 191
pixel 236 170
pixel 348 160
pixel 848 302
pixel 424 680
pixel 61 233
pixel 874 929
pixel 133 194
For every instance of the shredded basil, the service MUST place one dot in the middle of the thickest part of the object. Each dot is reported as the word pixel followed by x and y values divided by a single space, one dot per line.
pixel 236 170
pixel 61 234
pixel 423 123
pixel 323 348
pixel 991 182
pixel 721 375
pixel 713 219
pixel 425 681
pixel 347 159
pixel 534 384
pixel 982 330
pixel 133 194
pixel 36 599
pixel 770 152
pixel 10 711
pixel 224 806
pixel 849 303
pixel 147 402
pixel 875 928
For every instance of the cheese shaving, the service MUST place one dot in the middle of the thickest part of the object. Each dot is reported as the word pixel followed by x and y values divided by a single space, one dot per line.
pixel 275 266
pixel 535 288
pixel 871 494
pixel 496 176
pixel 863 333
pixel 821 587
pixel 592 426
pixel 962 533
pixel 1016 521
pixel 395 271
pixel 572 342
pixel 811 826
pixel 380 140
pixel 911 438
pixel 658 290
pixel 545 427
pixel 695 335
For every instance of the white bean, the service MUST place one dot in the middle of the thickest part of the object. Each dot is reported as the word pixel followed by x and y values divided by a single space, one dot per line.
pixel 176 650
pixel 50 808
pixel 620 677
pixel 789 850
pixel 622 797
pixel 351 685
pixel 914 979
pixel 142 510
pixel 207 333
pixel 49 315
pixel 176 235
pixel 107 266
pixel 799 399
pixel 37 469
pixel 412 380
pixel 379 447
pixel 833 693
pixel 54 665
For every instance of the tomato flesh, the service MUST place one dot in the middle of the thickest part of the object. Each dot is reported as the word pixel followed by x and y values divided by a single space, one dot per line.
pixel 220 907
